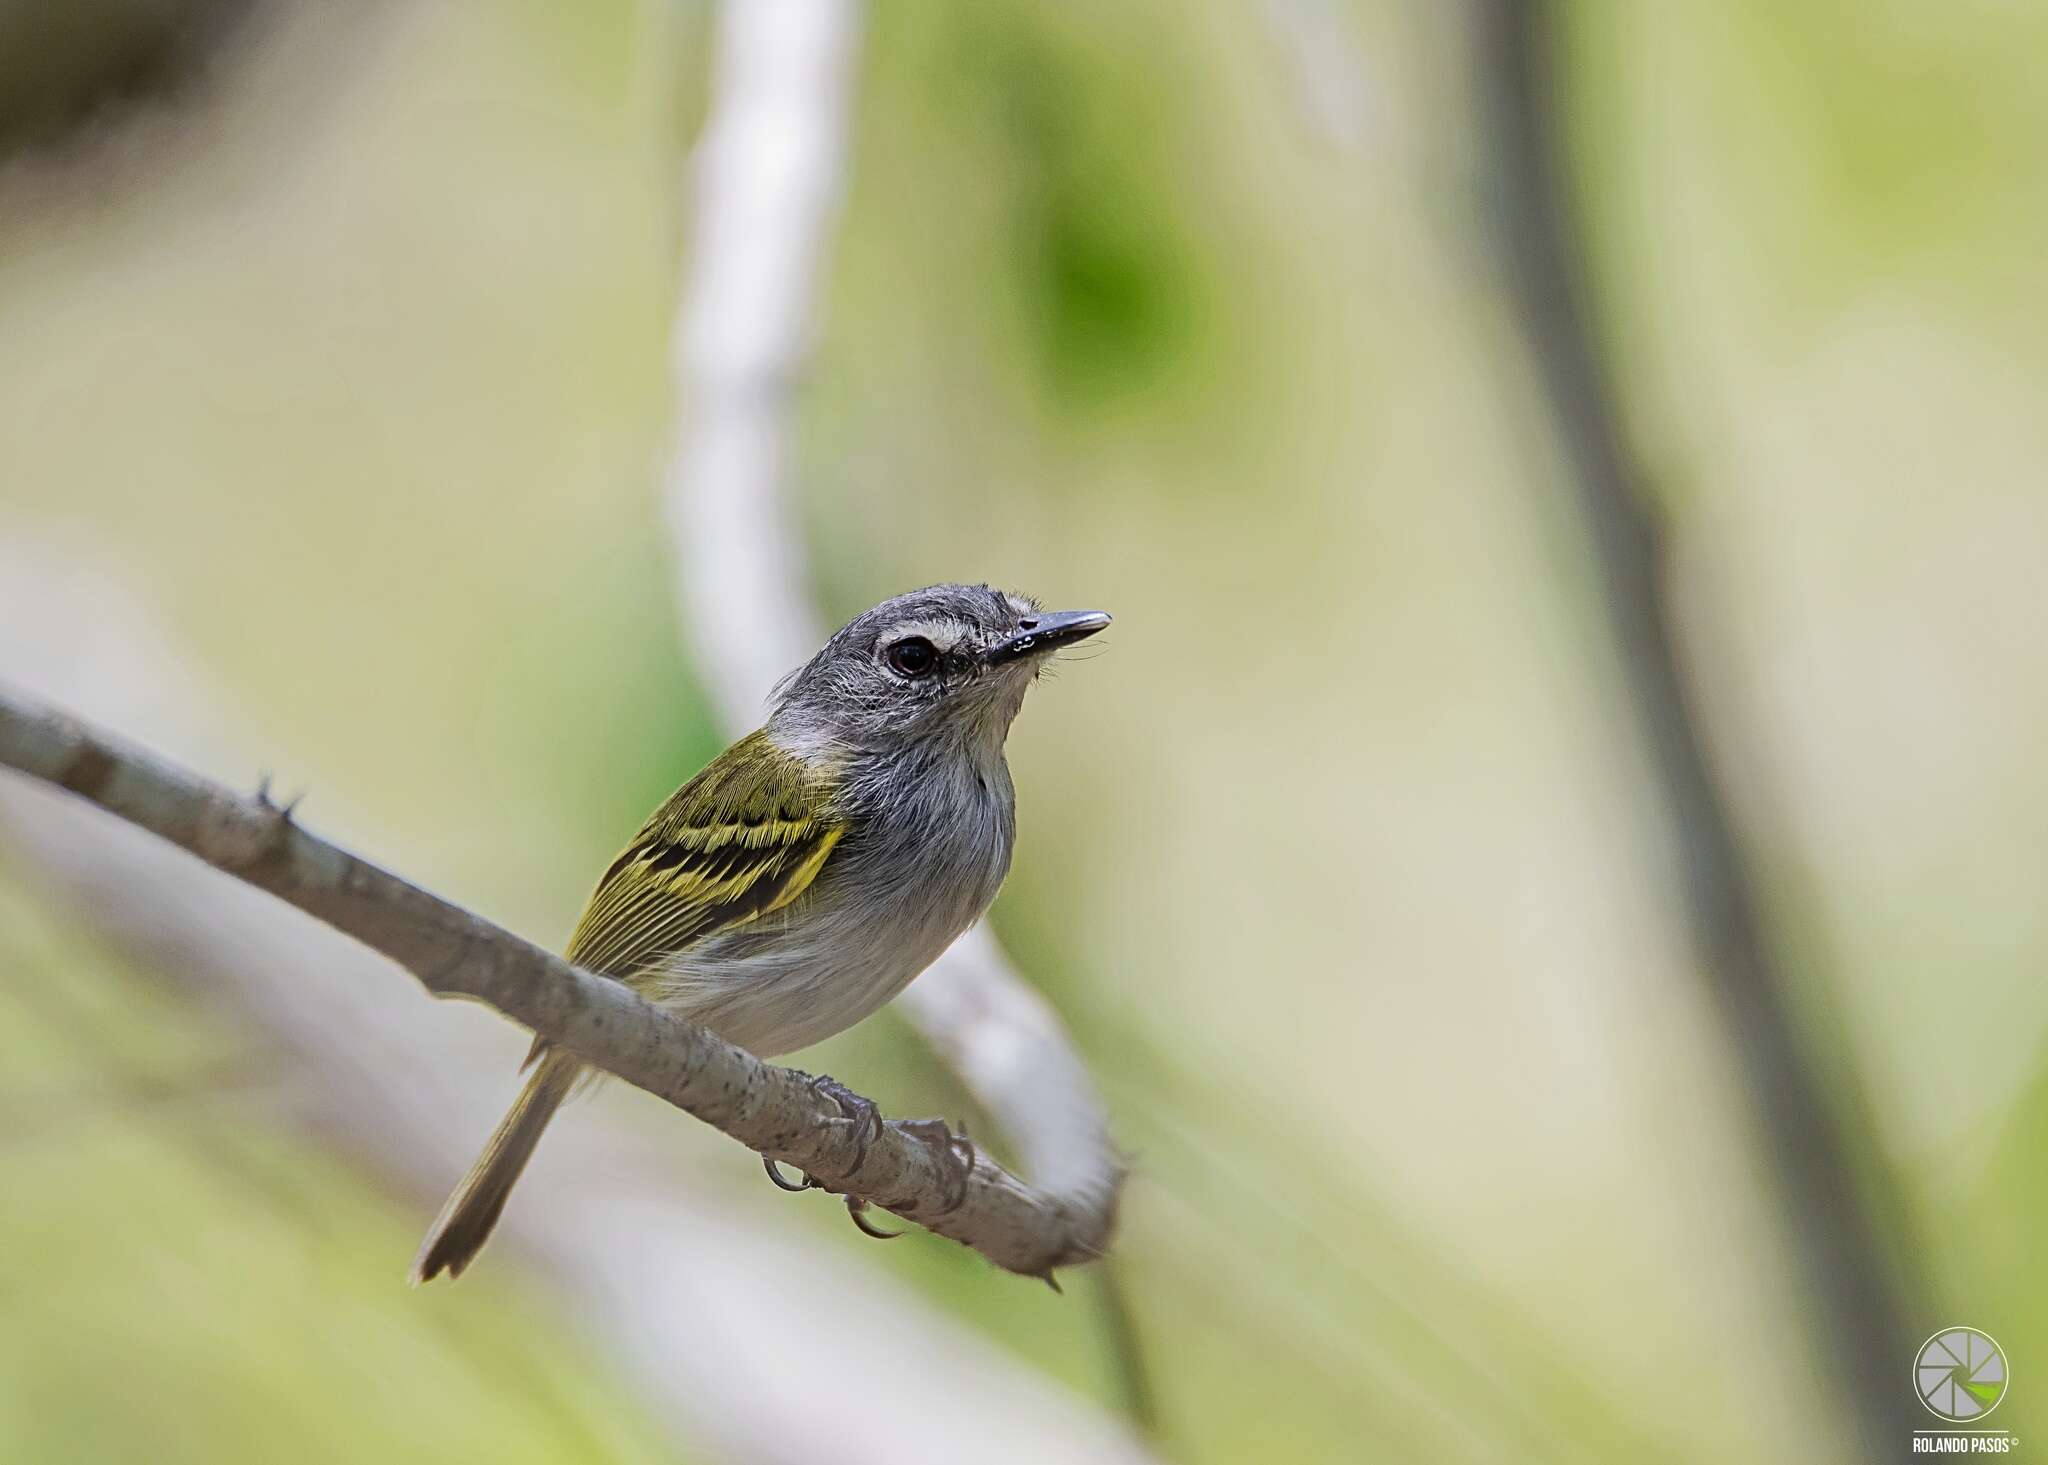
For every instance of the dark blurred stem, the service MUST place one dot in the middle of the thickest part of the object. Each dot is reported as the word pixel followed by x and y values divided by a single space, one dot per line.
pixel 1855 1297
pixel 1125 1341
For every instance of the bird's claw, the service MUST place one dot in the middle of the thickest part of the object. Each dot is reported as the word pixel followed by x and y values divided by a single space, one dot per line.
pixel 856 1210
pixel 955 1154
pixel 775 1174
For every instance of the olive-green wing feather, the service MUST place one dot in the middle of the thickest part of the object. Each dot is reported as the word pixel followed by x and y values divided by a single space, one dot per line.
pixel 743 838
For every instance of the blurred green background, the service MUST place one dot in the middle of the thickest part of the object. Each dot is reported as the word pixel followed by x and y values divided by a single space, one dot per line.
pixel 345 368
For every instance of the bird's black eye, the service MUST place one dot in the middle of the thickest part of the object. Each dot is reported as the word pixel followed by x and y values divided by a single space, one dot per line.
pixel 913 656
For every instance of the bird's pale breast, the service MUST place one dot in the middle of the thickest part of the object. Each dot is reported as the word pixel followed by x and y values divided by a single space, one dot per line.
pixel 927 850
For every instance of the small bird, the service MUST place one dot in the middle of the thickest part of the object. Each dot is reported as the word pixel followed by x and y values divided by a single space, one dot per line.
pixel 814 867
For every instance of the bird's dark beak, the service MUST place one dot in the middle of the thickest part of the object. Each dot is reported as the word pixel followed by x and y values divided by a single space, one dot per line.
pixel 1048 631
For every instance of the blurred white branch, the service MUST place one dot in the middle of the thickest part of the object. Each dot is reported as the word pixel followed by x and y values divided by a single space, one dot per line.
pixel 456 953
pixel 1332 84
pixel 769 173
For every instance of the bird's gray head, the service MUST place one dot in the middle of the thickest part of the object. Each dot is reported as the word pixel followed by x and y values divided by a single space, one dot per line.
pixel 946 663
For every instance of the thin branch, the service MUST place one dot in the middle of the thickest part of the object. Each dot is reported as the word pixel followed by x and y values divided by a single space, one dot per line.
pixel 767 181
pixel 1857 1299
pixel 1125 1340
pixel 1330 84
pixel 456 953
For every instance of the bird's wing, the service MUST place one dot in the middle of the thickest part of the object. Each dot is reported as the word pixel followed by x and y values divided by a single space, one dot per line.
pixel 743 838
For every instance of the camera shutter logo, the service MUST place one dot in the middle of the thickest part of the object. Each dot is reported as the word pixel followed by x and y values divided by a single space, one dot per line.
pixel 1960 1374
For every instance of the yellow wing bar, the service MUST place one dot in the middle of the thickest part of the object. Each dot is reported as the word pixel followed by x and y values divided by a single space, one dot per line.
pixel 743 838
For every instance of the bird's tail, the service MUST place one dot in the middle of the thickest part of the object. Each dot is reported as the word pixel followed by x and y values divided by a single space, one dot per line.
pixel 465 1223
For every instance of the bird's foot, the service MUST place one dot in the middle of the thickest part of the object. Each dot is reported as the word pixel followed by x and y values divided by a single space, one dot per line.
pixel 955 1154
pixel 863 1113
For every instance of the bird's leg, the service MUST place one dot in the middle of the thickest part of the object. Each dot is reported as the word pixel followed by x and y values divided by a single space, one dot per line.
pixel 856 1208
pixel 955 1154
pixel 866 1116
